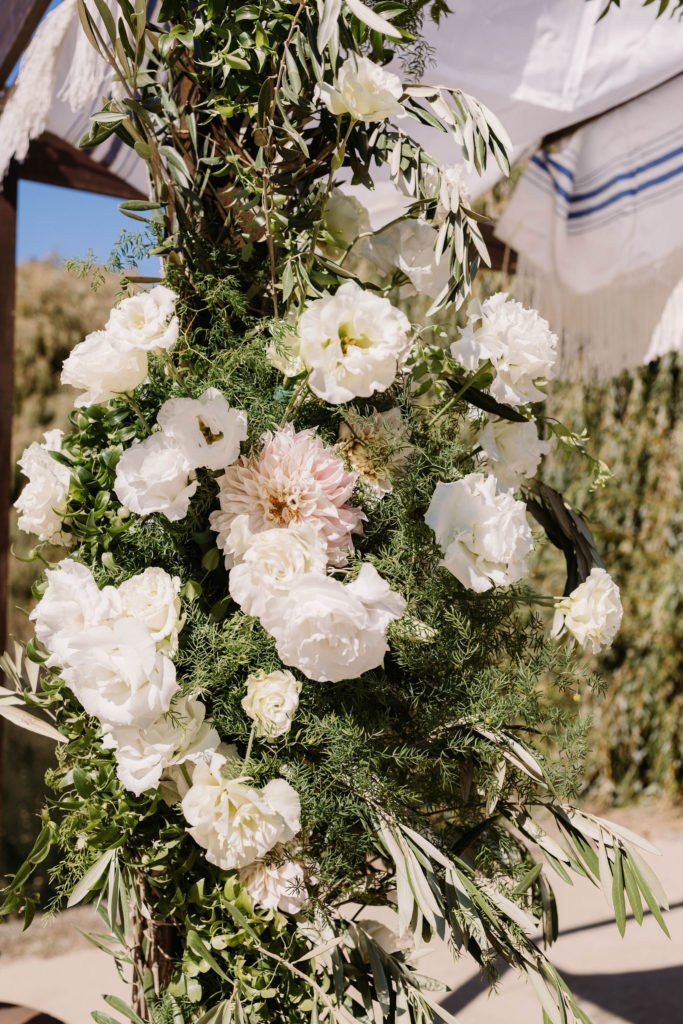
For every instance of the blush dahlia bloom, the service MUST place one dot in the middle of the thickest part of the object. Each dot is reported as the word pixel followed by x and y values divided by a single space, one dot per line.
pixel 295 479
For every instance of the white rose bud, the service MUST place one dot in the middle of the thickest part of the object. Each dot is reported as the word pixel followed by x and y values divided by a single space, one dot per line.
pixel 104 366
pixel 46 491
pixel 153 476
pixel 276 886
pixel 206 430
pixel 146 321
pixel 513 450
pixel 364 90
pixel 271 702
pixel 592 613
pixel 483 534
pixel 152 597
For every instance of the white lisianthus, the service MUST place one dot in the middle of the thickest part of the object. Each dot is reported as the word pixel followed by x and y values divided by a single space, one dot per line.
pixel 376 446
pixel 152 597
pixel 345 218
pixel 205 429
pixel 146 321
pixel 271 702
pixel 512 450
pixel 269 563
pixel 118 675
pixel 154 476
pixel 276 886
pixel 518 342
pixel 46 491
pixel 408 245
pixel 330 631
pixel 142 755
pixel 592 612
pixel 71 605
pixel 364 90
pixel 234 822
pixel 103 366
pixel 353 343
pixel 483 534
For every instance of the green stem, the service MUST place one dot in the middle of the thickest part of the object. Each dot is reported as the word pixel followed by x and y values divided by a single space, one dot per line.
pixel 138 412
pixel 470 381
pixel 250 744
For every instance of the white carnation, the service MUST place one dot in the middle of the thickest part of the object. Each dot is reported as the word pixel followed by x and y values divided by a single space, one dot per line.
pixel 519 343
pixel 483 534
pixel 330 631
pixel 118 675
pixel 364 90
pixel 276 886
pixel 592 613
pixel 353 343
pixel 152 597
pixel 103 366
pixel 234 822
pixel 146 321
pixel 271 701
pixel 142 755
pixel 270 562
pixel 512 450
pixel 45 493
pixel 206 430
pixel 153 476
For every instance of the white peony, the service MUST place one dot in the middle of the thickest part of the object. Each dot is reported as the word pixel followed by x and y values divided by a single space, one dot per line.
pixel 271 702
pixel 71 605
pixel 269 563
pixel 153 476
pixel 345 218
pixel 152 597
pixel 483 534
pixel 234 822
pixel 376 447
pixel 118 675
pixel 276 886
pixel 364 90
pixel 512 450
pixel 146 321
pixel 103 366
pixel 205 429
pixel 330 631
pixel 142 755
pixel 592 613
pixel 408 245
pixel 353 343
pixel 519 343
pixel 45 493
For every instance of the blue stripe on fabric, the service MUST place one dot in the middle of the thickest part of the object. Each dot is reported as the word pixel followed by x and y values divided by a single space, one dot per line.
pixel 575 214
pixel 582 196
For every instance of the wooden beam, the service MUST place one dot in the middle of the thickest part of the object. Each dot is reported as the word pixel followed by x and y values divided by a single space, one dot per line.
pixel 19 21
pixel 53 161
pixel 502 256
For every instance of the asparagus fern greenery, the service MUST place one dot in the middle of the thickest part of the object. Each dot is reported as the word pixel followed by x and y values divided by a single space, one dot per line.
pixel 292 670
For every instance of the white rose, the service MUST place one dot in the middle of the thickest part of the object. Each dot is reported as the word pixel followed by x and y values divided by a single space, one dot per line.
pixel 345 218
pixel 152 597
pixel 71 605
pixel 330 631
pixel 483 534
pixel 271 561
pixel 153 476
pixel 206 430
pixel 519 343
pixel 45 493
pixel 513 450
pixel 364 90
pixel 142 755
pixel 353 343
pixel 118 675
pixel 103 366
pixel 408 245
pixel 236 823
pixel 376 446
pixel 592 613
pixel 146 321
pixel 276 886
pixel 271 702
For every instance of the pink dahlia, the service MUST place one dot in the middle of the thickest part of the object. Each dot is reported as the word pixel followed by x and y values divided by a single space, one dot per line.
pixel 295 479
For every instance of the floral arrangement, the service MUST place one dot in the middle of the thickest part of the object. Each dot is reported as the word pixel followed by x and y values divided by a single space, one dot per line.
pixel 289 658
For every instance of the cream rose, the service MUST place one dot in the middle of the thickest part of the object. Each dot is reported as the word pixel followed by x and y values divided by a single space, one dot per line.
pixel 152 597
pixel 330 631
pixel 353 343
pixel 103 366
pixel 483 534
pixel 205 429
pixel 146 321
pixel 592 613
pixel 276 886
pixel 234 822
pixel 364 90
pixel 512 451
pixel 45 493
pixel 271 702
pixel 153 476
